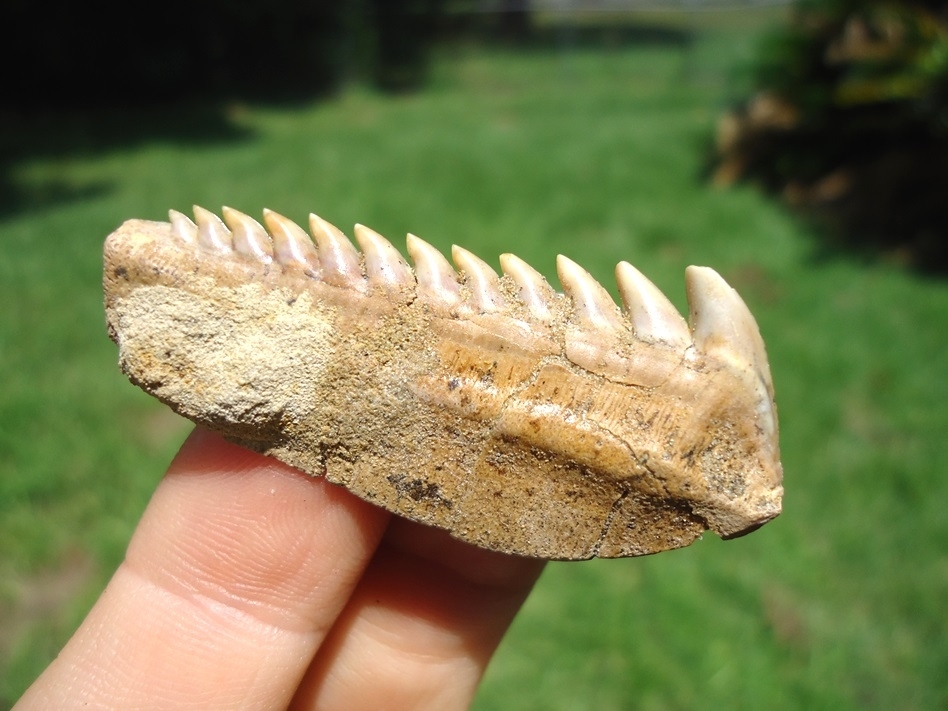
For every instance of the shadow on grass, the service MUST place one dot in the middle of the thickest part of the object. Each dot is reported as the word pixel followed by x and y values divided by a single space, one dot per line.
pixel 78 133
pixel 896 220
pixel 924 256
pixel 880 202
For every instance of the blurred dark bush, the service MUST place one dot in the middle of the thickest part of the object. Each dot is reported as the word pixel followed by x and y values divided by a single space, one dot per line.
pixel 849 123
pixel 95 54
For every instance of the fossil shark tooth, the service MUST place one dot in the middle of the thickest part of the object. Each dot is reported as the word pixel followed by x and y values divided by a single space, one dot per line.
pixel 437 279
pixel 483 282
pixel 592 305
pixel 249 236
pixel 515 418
pixel 183 227
pixel 291 244
pixel 653 316
pixel 212 233
pixel 337 257
pixel 721 323
pixel 535 292
pixel 384 265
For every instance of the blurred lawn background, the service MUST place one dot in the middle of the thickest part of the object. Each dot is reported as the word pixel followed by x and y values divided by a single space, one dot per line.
pixel 594 152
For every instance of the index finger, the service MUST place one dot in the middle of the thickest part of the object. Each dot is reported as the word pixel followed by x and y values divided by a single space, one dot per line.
pixel 238 569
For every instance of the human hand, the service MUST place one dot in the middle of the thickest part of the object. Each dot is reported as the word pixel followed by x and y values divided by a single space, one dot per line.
pixel 250 585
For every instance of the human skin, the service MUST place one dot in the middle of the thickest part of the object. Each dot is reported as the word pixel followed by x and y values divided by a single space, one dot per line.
pixel 248 584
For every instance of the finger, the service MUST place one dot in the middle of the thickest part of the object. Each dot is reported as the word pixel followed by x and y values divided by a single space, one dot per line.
pixel 421 626
pixel 235 574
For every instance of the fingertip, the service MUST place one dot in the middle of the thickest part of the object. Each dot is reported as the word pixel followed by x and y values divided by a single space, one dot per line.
pixel 207 451
pixel 426 618
pixel 236 572
pixel 253 531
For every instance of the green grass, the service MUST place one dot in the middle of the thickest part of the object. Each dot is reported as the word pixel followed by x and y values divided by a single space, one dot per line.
pixel 839 603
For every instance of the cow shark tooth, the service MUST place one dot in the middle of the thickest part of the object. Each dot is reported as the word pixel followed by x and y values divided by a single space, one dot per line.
pixel 519 419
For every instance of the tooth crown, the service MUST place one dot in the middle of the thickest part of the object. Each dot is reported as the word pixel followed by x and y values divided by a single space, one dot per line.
pixel 519 419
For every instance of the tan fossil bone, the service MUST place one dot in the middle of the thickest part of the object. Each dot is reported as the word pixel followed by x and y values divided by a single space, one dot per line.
pixel 518 419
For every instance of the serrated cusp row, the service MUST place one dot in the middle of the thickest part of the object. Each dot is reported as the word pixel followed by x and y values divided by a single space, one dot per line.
pixel 720 322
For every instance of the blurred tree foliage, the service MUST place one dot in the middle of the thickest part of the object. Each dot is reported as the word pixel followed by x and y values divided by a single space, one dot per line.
pixel 849 122
pixel 94 53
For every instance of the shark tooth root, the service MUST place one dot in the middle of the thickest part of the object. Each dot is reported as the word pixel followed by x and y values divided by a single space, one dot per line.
pixel 212 233
pixel 535 292
pixel 385 267
pixel 183 227
pixel 291 244
pixel 436 278
pixel 722 324
pixel 592 305
pixel 250 238
pixel 482 281
pixel 653 316
pixel 338 258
